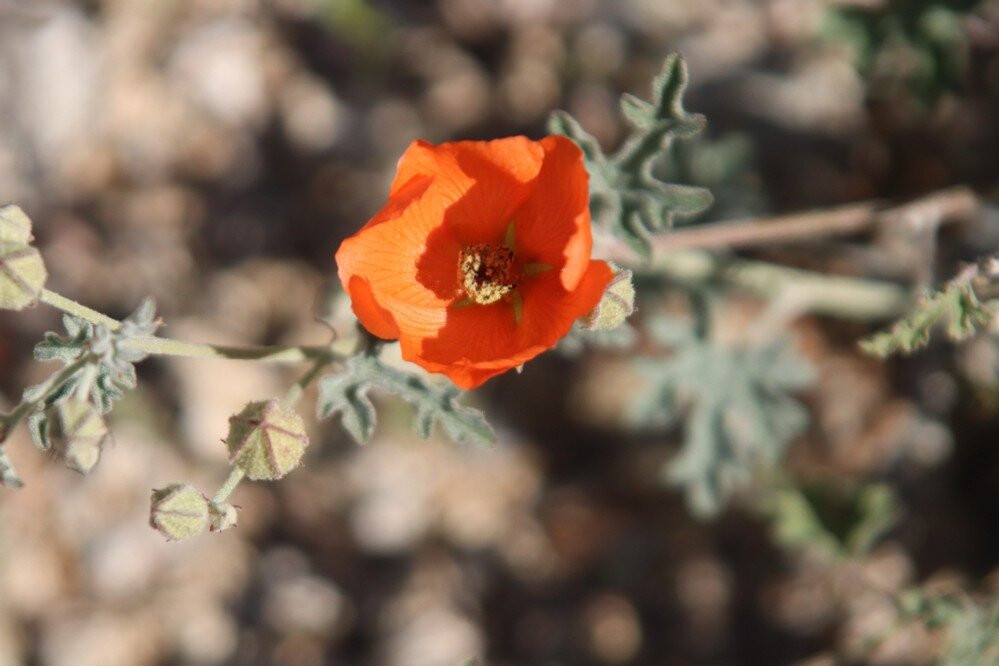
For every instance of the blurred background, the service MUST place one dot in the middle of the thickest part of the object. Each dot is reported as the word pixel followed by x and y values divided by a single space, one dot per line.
pixel 213 153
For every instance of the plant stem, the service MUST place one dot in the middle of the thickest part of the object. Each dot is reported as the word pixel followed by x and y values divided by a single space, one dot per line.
pixel 957 203
pixel 847 297
pixel 292 396
pixel 235 476
pixel 296 390
pixel 158 346
pixel 11 420
pixel 70 306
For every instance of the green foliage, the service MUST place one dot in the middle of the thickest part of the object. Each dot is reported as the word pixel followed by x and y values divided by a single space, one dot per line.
pixel 727 166
pixel 917 47
pixel 625 197
pixel 579 338
pixel 971 629
pixel 735 404
pixel 346 392
pixel 842 522
pixel 98 363
pixel 955 306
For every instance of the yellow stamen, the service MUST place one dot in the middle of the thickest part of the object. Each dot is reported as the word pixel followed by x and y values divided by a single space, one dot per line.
pixel 487 272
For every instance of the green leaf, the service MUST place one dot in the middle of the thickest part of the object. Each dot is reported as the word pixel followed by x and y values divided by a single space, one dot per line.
pixel 956 307
pixel 346 393
pixel 38 426
pixel 115 369
pixel 844 521
pixel 625 196
pixel 738 414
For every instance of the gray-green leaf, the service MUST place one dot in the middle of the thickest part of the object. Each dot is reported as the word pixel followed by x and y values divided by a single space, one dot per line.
pixel 346 393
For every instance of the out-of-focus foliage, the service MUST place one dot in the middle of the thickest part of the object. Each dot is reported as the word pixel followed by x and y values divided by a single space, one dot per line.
pixel 971 629
pixel 346 393
pixel 843 522
pixel 914 48
pixel 114 361
pixel 735 405
pixel 725 166
pixel 626 198
pixel 956 306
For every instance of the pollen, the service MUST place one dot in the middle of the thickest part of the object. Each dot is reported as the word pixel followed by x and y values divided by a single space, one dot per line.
pixel 487 272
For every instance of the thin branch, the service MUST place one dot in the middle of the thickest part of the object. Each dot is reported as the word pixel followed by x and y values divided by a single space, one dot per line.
pixel 158 346
pixel 954 204
pixel 837 296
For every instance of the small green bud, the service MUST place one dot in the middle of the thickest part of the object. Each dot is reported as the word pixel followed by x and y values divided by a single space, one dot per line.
pixel 77 433
pixel 22 275
pixel 221 516
pixel 15 226
pixel 617 304
pixel 266 440
pixel 178 511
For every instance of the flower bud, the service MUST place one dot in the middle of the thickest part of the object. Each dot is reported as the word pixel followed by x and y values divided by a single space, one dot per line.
pixel 266 440
pixel 221 516
pixel 617 304
pixel 77 432
pixel 15 226
pixel 178 511
pixel 22 275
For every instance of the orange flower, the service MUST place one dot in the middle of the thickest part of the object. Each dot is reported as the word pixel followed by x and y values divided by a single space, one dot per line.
pixel 480 260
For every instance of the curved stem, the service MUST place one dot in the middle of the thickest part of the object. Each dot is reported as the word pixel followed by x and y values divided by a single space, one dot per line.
pixel 296 390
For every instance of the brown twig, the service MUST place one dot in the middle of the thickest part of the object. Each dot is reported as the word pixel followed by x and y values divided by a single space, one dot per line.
pixel 682 255
pixel 954 204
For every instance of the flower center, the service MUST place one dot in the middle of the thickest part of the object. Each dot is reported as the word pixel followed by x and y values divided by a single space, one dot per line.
pixel 486 272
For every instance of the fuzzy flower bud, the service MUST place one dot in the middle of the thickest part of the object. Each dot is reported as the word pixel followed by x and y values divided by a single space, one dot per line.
pixel 178 511
pixel 15 226
pixel 22 271
pixel 617 304
pixel 221 516
pixel 77 433
pixel 266 440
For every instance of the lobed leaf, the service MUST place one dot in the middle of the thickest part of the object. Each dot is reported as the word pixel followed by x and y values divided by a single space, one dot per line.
pixel 625 196
pixel 346 393
pixel 956 307
pixel 738 412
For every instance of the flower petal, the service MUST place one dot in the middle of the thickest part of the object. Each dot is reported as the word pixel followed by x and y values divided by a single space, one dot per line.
pixel 406 260
pixel 483 182
pixel 549 310
pixel 480 341
pixel 553 225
